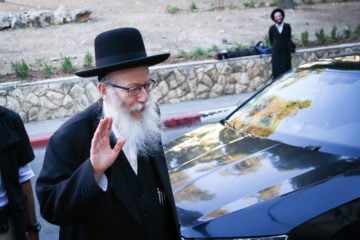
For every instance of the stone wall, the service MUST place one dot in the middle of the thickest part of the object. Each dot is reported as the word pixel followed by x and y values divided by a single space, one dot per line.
pixel 58 98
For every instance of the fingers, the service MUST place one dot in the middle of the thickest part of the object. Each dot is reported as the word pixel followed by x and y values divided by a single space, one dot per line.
pixel 102 135
pixel 120 143
pixel 104 127
pixel 102 156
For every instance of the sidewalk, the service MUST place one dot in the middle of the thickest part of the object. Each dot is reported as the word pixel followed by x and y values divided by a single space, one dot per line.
pixel 173 115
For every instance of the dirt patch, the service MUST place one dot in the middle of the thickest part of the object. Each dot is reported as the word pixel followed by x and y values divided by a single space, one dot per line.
pixel 163 32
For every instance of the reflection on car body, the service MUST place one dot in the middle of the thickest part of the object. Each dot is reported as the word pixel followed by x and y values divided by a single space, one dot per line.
pixel 284 165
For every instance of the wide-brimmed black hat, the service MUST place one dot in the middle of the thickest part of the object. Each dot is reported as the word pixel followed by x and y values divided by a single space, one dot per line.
pixel 277 10
pixel 118 49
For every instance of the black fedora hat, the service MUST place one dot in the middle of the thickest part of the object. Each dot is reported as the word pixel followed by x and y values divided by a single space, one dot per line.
pixel 118 49
pixel 277 10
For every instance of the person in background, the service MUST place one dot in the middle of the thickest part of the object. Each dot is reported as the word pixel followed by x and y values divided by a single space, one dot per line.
pixel 281 43
pixel 17 209
pixel 104 174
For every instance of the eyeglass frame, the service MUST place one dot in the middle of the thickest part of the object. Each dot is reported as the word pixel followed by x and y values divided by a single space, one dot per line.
pixel 137 88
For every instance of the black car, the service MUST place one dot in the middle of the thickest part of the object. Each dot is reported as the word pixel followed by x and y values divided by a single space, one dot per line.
pixel 284 165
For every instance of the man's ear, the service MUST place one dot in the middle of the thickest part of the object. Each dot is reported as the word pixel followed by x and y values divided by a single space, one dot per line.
pixel 102 89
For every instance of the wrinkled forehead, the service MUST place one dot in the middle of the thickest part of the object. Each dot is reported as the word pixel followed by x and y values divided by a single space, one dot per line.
pixel 131 75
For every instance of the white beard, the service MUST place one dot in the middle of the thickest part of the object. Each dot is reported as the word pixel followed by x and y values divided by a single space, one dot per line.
pixel 141 134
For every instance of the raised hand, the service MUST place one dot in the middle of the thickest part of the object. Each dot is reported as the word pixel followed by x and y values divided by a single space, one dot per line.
pixel 102 156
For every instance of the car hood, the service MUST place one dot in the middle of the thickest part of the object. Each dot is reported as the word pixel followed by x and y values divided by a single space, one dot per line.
pixel 230 186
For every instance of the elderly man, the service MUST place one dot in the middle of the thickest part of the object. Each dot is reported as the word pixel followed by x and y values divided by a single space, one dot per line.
pixel 104 174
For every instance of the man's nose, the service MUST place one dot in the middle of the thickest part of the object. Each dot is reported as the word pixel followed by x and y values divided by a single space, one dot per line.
pixel 143 96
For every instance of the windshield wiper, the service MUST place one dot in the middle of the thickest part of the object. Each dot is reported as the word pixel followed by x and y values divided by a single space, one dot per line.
pixel 226 123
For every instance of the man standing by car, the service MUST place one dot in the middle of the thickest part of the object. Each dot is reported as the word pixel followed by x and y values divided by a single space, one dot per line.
pixel 104 174
pixel 281 43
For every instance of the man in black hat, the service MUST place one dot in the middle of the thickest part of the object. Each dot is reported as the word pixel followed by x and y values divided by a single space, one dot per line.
pixel 104 175
pixel 281 43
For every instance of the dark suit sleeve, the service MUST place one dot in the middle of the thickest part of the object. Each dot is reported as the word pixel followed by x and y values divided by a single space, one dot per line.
pixel 288 26
pixel 271 36
pixel 66 187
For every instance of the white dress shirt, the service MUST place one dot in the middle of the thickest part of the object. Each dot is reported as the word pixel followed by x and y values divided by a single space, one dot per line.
pixel 280 27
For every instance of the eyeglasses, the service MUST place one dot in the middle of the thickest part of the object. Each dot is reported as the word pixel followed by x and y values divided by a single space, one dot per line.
pixel 132 91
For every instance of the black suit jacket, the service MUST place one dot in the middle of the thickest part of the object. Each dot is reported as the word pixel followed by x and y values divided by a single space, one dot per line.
pixel 70 197
pixel 282 47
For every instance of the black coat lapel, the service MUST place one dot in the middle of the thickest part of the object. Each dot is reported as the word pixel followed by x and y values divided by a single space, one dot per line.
pixel 120 187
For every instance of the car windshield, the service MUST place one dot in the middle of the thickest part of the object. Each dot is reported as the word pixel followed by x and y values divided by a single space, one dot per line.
pixel 313 108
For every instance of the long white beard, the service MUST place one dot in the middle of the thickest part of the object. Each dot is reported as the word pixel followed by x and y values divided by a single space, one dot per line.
pixel 141 134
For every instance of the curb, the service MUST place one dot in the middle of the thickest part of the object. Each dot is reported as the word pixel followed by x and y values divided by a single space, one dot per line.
pixel 178 121
pixel 167 123
pixel 39 141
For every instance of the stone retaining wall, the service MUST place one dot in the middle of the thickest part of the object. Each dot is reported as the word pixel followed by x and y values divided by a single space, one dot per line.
pixel 58 98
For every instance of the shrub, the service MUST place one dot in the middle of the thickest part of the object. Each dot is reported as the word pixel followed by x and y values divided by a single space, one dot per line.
pixel 48 70
pixel 193 6
pixel 88 59
pixel 305 38
pixel 356 32
pixel 334 34
pixel 66 65
pixel 199 53
pixel 214 48
pixel 42 64
pixel 321 36
pixel 261 4
pixel 347 32
pixel 274 3
pixel 251 4
pixel 21 68
pixel 172 9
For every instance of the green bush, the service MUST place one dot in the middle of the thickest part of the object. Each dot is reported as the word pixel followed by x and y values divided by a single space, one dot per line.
pixel 305 38
pixel 251 4
pixel 48 70
pixel 42 64
pixel 66 65
pixel 321 35
pixel 261 4
pixel 274 3
pixel 172 9
pixel 199 53
pixel 347 32
pixel 356 32
pixel 21 68
pixel 193 6
pixel 334 34
pixel 88 59
pixel 214 48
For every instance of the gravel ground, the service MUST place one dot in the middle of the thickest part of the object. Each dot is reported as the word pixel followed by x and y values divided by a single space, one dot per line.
pixel 187 30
